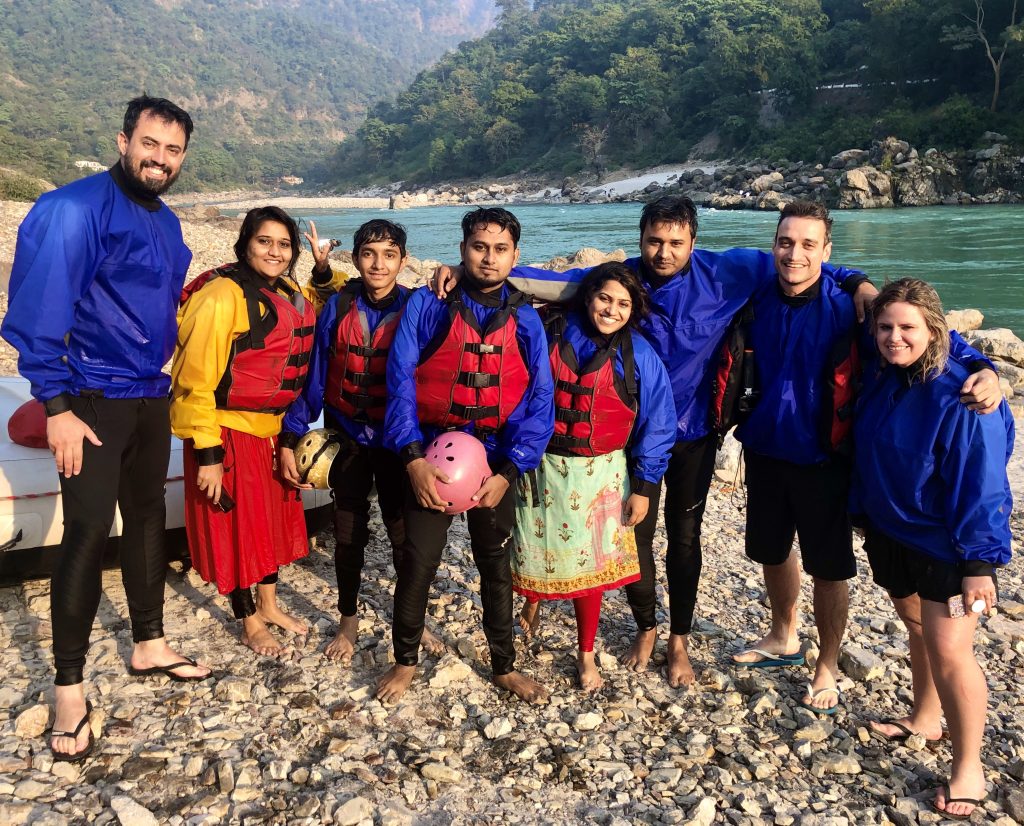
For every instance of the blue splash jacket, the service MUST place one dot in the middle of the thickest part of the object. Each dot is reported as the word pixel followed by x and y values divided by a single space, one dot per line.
pixel 930 473
pixel 105 271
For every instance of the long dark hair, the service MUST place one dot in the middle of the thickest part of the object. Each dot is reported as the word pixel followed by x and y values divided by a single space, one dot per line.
pixel 613 271
pixel 254 219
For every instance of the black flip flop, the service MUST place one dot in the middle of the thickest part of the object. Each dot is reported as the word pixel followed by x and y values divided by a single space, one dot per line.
pixel 978 803
pixel 905 733
pixel 78 756
pixel 168 670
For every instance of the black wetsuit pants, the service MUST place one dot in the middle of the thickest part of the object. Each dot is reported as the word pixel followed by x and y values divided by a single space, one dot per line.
pixel 490 533
pixel 353 474
pixel 130 470
pixel 686 484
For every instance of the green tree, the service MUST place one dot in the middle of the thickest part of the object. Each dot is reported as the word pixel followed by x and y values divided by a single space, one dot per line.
pixel 996 40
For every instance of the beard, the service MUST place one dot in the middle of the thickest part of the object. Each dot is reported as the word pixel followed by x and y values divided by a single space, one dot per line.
pixel 134 169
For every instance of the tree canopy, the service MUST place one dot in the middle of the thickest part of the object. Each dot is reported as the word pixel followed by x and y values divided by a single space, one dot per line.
pixel 563 85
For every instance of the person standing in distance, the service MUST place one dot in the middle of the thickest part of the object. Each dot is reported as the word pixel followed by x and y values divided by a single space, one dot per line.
pixel 104 259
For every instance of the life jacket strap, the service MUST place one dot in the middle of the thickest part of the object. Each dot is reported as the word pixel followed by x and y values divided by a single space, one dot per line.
pixel 365 379
pixel 472 413
pixel 564 414
pixel 483 349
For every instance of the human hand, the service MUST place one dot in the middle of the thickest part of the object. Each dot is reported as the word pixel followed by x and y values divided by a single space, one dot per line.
pixel 981 391
pixel 862 298
pixel 445 279
pixel 977 588
pixel 422 476
pixel 210 480
pixel 65 434
pixel 290 470
pixel 491 491
pixel 320 254
pixel 635 509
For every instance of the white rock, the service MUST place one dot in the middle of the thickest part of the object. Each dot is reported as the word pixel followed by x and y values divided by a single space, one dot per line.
pixel 131 813
pixel 498 727
pixel 32 721
pixel 588 721
pixel 703 814
pixel 353 811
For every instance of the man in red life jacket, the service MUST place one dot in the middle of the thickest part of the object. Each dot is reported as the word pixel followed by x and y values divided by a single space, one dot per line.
pixel 477 362
pixel 347 381
pixel 797 477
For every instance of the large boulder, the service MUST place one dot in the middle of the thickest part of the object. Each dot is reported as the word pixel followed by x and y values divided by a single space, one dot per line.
pixel 848 157
pixel 764 183
pixel 920 184
pixel 865 188
pixel 1013 375
pixel 999 343
pixel 965 321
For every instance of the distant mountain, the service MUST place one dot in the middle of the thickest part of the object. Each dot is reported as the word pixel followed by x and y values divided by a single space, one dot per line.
pixel 271 84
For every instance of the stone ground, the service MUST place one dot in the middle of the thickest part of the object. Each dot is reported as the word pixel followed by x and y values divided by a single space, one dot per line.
pixel 301 739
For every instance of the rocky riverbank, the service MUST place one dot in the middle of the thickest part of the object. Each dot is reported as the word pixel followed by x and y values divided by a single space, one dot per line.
pixel 300 739
pixel 891 173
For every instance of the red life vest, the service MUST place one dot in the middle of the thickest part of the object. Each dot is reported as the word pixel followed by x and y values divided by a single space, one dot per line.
pixel 735 391
pixel 594 407
pixel 356 380
pixel 469 375
pixel 267 365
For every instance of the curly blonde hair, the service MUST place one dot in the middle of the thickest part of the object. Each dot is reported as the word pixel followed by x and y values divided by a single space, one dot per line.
pixel 922 295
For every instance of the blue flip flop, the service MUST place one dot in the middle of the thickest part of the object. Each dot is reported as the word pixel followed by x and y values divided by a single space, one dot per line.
pixel 813 695
pixel 768 659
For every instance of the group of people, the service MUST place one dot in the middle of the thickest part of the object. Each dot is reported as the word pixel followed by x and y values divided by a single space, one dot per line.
pixel 597 414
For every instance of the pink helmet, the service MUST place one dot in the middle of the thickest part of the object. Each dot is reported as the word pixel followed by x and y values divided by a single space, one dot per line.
pixel 463 460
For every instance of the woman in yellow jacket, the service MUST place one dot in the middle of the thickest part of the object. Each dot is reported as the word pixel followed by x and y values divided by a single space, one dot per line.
pixel 244 338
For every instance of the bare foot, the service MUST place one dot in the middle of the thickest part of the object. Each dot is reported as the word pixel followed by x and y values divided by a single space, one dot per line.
pixel 972 788
pixel 773 645
pixel 931 731
pixel 525 688
pixel 257 636
pixel 272 613
pixel 343 646
pixel 70 710
pixel 590 677
pixel 431 642
pixel 680 672
pixel 395 682
pixel 156 653
pixel 639 653
pixel 823 692
pixel 529 619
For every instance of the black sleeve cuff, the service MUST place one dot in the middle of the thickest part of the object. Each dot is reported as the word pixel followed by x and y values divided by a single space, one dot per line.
pixel 509 470
pixel 978 567
pixel 206 456
pixel 641 487
pixel 411 452
pixel 977 365
pixel 322 278
pixel 57 405
pixel 852 282
pixel 288 440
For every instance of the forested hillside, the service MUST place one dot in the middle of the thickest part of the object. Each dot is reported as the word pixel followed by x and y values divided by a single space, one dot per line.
pixel 567 85
pixel 272 84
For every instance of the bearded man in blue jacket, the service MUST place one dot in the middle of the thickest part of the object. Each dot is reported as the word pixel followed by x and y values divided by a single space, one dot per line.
pixel 97 273
pixel 802 340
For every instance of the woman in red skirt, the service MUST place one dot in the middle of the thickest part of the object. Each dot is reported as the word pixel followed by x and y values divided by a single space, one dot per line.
pixel 244 337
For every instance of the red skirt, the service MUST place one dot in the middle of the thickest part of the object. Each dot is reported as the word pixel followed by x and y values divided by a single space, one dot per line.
pixel 265 530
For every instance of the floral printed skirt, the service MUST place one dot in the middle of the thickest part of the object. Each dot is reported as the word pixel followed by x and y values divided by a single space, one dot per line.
pixel 569 538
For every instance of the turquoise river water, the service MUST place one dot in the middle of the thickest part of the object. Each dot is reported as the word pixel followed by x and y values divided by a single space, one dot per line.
pixel 973 255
